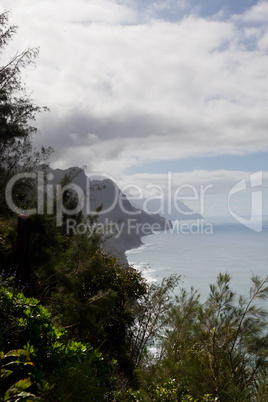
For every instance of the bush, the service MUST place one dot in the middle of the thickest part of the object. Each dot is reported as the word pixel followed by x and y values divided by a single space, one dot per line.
pixel 57 363
pixel 221 347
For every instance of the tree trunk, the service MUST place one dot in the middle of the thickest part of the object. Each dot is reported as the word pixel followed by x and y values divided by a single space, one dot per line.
pixel 23 245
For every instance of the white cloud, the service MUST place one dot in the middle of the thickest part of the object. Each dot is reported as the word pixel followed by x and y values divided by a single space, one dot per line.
pixel 258 13
pixel 69 12
pixel 124 89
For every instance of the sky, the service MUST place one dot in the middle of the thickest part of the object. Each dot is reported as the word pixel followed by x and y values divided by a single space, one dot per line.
pixel 145 90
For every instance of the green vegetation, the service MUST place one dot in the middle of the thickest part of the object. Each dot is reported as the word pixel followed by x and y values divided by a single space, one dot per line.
pixel 53 362
pixel 76 325
pixel 219 347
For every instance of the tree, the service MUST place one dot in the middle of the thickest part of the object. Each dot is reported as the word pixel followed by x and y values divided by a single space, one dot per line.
pixel 46 362
pixel 17 110
pixel 220 347
pixel 151 315
pixel 95 299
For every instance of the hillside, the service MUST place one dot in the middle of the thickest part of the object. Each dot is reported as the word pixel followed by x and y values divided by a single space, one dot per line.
pixel 126 224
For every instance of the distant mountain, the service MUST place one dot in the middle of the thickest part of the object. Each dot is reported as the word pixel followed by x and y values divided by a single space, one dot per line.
pixel 175 210
pixel 131 223
pixel 124 223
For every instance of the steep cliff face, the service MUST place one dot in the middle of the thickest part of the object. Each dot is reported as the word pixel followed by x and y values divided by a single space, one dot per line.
pixel 128 224
pixel 123 224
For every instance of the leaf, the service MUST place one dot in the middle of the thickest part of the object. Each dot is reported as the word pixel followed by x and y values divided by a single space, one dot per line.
pixel 17 388
pixel 5 373
pixel 17 353
pixel 21 384
pixel 27 396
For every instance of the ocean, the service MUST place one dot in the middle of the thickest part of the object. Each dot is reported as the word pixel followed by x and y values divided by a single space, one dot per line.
pixel 200 251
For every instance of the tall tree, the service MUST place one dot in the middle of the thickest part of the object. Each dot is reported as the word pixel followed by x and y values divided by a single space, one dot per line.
pixel 17 110
pixel 220 347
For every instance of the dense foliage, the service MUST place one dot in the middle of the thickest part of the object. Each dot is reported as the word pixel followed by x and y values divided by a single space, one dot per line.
pixel 55 361
pixel 219 347
pixel 76 325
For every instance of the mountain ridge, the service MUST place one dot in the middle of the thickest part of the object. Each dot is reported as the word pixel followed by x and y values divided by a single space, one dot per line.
pixel 127 223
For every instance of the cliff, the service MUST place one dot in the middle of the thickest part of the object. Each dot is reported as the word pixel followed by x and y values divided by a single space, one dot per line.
pixel 123 224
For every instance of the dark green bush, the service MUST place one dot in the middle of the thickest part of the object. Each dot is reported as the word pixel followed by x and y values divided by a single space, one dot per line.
pixel 57 363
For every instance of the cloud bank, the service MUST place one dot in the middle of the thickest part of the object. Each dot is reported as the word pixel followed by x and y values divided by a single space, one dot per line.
pixel 126 86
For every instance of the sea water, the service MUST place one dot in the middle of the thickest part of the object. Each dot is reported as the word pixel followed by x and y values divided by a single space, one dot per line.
pixel 203 251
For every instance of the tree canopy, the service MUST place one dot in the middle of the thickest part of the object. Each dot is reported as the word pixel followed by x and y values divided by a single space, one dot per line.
pixel 17 110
